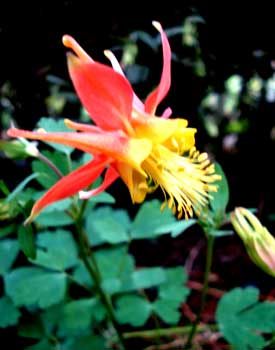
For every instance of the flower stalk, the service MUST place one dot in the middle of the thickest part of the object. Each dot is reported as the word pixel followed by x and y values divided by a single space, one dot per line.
pixel 94 273
pixel 208 264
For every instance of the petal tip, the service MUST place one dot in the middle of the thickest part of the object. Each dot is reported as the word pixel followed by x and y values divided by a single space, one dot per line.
pixel 67 41
pixel 30 219
pixel 107 53
pixel 157 25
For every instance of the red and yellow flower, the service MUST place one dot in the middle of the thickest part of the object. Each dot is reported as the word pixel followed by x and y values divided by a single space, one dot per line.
pixel 128 139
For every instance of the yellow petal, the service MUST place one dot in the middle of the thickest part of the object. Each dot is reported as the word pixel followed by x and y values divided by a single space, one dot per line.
pixel 135 181
pixel 182 140
pixel 156 129
pixel 138 150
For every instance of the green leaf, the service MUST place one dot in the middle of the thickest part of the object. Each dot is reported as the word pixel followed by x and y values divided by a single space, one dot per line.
pixel 51 317
pixel 56 250
pixel 180 226
pixel 220 199
pixel 9 314
pixel 9 250
pixel 26 241
pixel 43 344
pixel 81 275
pixel 86 342
pixel 241 318
pixel 76 316
pixel 113 274
pixel 107 225
pixel 167 311
pixel 174 293
pixel 133 309
pixel 32 285
pixel 111 285
pixel 54 219
pixel 144 278
pixel 31 328
pixel 171 295
pixel 150 222
pixel 46 177
pixel 174 288
pixel 51 125
pixel 59 206
pixel 4 188
pixel 123 266
pixel 103 197
pixel 176 275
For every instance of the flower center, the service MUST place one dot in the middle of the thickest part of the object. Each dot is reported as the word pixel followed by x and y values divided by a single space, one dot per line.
pixel 184 180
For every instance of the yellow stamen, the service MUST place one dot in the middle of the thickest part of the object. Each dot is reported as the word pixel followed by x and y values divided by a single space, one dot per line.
pixel 186 180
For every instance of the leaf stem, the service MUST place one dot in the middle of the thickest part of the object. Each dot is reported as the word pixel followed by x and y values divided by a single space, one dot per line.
pixel 209 257
pixel 50 164
pixel 166 332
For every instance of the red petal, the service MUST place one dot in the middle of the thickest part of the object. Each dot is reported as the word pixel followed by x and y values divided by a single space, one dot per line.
pixel 106 94
pixel 82 127
pixel 160 92
pixel 110 176
pixel 109 143
pixel 71 43
pixel 137 103
pixel 70 185
pixel 112 144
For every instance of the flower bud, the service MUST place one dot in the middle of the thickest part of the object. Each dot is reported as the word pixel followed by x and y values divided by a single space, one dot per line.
pixel 19 149
pixel 259 243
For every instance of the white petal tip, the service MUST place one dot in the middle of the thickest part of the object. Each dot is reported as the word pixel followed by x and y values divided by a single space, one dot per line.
pixel 157 25
pixel 107 53
pixel 83 194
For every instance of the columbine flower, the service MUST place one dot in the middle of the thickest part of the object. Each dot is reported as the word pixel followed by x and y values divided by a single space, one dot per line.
pixel 128 139
pixel 259 243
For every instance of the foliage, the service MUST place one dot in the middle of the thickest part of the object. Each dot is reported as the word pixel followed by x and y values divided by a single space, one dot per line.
pixel 241 317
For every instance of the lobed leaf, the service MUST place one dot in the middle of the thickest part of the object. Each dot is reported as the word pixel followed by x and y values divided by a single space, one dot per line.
pixel 28 286
pixel 107 225
pixel 150 222
pixel 242 318
pixel 133 309
pixel 9 250
pixel 56 250
pixel 9 314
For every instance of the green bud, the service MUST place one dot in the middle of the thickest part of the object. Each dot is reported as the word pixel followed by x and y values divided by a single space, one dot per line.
pixel 259 243
pixel 18 149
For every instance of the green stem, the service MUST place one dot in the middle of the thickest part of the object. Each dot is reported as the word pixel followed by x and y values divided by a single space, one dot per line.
pixel 209 256
pixel 93 272
pixel 157 336
pixel 166 332
pixel 50 164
